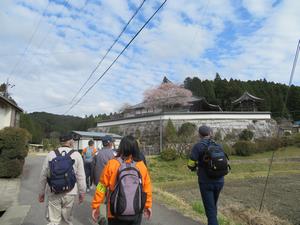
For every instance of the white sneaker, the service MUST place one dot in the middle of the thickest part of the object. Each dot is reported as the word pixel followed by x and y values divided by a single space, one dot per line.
pixel 87 190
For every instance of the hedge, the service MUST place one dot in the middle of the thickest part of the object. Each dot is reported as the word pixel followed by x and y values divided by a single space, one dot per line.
pixel 244 148
pixel 169 154
pixel 13 150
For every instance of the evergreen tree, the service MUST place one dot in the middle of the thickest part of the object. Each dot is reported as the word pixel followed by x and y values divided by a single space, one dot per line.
pixel 170 133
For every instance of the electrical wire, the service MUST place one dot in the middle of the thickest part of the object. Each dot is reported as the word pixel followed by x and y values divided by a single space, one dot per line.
pixel 29 41
pixel 278 132
pixel 105 72
pixel 108 51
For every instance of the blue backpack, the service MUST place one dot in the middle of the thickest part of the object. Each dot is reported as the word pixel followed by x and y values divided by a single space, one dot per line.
pixel 216 161
pixel 62 177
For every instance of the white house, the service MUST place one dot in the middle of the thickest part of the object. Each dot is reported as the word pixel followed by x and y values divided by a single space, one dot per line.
pixel 9 112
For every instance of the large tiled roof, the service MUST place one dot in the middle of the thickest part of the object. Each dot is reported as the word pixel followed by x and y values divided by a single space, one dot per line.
pixel 246 97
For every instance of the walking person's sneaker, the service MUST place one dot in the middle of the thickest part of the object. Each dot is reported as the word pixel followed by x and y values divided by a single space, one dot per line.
pixel 88 190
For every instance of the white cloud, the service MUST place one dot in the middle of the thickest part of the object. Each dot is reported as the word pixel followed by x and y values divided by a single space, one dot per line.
pixel 174 44
pixel 259 8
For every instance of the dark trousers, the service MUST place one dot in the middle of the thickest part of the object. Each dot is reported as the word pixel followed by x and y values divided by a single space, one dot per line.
pixel 138 221
pixel 210 194
pixel 88 173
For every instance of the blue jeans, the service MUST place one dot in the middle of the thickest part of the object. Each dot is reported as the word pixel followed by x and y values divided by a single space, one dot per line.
pixel 210 194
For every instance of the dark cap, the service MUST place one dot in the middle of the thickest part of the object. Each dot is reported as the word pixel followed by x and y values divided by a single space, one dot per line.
pixel 204 131
pixel 66 137
pixel 107 139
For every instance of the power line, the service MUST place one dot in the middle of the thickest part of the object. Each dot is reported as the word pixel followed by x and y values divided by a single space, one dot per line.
pixel 30 41
pixel 278 132
pixel 129 43
pixel 65 4
pixel 108 50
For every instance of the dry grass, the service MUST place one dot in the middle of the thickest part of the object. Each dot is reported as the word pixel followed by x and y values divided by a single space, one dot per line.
pixel 249 216
pixel 178 204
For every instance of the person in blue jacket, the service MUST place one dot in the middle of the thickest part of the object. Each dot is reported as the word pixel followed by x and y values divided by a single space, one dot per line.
pixel 210 188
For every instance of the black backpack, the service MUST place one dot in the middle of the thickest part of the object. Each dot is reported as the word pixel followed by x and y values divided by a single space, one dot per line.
pixel 128 199
pixel 62 177
pixel 216 161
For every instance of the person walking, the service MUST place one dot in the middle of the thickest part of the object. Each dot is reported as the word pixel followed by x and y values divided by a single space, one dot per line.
pixel 100 160
pixel 102 157
pixel 207 153
pixel 124 179
pixel 88 154
pixel 60 189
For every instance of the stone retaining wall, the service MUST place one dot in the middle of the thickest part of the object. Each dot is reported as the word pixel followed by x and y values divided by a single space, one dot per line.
pixel 149 132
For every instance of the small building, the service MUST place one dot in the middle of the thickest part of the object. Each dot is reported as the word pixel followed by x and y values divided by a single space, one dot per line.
pixel 82 138
pixel 35 148
pixel 9 112
pixel 246 102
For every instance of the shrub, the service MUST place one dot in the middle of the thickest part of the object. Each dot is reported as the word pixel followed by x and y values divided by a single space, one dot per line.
pixel 295 139
pixel 170 133
pixel 267 144
pixel 286 141
pixel 246 135
pixel 187 132
pixel 13 142
pixel 11 168
pixel 229 150
pixel 218 136
pixel 13 150
pixel 231 136
pixel 169 154
pixel 244 148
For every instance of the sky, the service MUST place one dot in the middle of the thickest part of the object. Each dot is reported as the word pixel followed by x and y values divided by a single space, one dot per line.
pixel 49 48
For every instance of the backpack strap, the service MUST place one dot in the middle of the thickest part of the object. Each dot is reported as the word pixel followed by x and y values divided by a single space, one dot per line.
pixel 57 153
pixel 70 152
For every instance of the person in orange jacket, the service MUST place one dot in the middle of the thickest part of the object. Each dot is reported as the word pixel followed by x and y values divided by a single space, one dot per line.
pixel 128 151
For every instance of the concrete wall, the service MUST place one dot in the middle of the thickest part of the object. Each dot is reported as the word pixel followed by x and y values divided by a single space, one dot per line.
pixel 226 124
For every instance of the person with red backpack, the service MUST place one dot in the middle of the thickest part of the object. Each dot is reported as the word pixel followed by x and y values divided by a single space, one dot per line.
pixel 126 183
pixel 211 163
pixel 62 179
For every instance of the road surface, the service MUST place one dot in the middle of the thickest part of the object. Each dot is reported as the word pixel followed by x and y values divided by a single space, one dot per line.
pixel 82 213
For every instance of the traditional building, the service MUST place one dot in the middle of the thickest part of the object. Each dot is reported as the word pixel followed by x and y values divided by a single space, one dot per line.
pixel 9 112
pixel 246 102
pixel 192 104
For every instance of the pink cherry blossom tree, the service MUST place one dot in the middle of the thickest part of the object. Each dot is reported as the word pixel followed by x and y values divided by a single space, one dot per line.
pixel 167 95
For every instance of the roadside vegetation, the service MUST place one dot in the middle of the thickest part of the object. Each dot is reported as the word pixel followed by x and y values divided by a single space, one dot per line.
pixel 239 201
pixel 13 150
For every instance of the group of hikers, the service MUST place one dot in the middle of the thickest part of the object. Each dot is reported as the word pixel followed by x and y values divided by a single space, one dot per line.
pixel 121 178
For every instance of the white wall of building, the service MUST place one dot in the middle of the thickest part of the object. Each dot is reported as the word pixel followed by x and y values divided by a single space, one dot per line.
pixel 5 116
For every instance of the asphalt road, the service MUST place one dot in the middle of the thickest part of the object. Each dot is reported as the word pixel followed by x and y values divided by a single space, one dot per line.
pixel 82 213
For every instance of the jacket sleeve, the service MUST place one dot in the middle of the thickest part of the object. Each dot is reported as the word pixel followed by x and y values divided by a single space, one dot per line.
pixel 147 188
pixel 194 157
pixel 101 188
pixel 43 176
pixel 80 174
